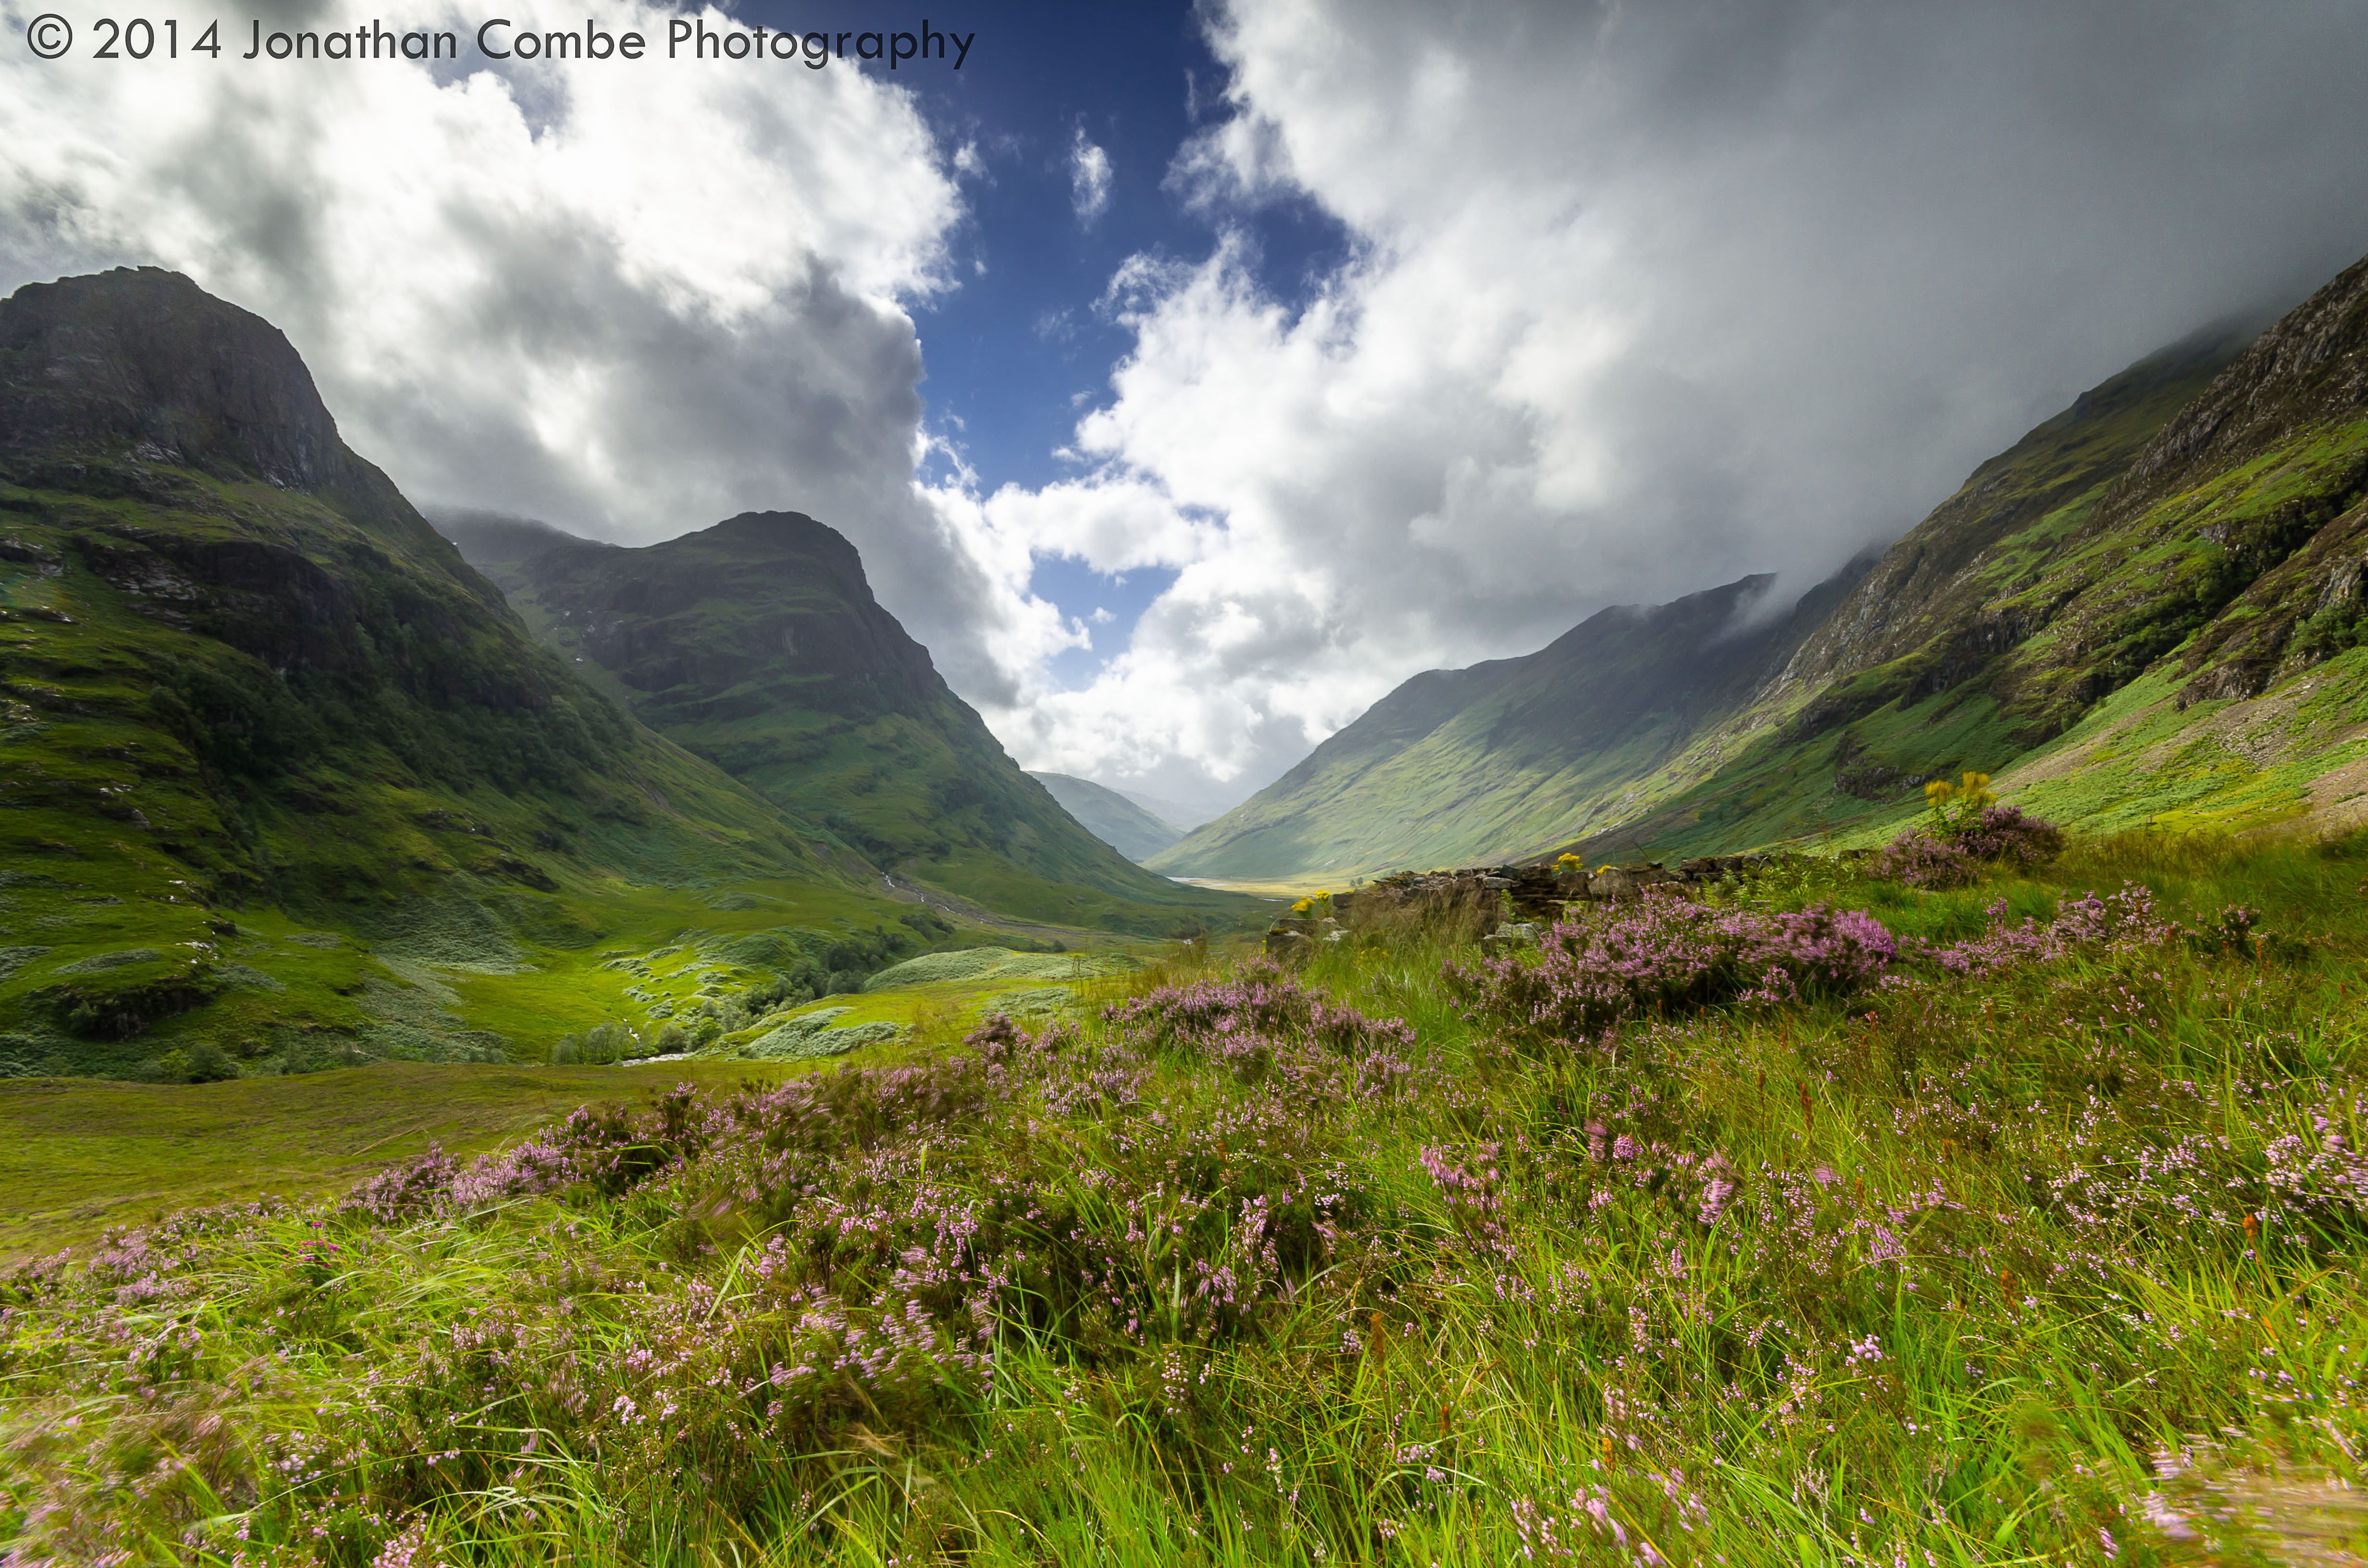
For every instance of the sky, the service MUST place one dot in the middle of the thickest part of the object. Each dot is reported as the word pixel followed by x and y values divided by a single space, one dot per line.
pixel 1189 376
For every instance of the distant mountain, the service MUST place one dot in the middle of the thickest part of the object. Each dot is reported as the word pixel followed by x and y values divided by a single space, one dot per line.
pixel 2182 536
pixel 1112 817
pixel 496 542
pixel 1182 815
pixel 1462 765
pixel 245 690
pixel 757 643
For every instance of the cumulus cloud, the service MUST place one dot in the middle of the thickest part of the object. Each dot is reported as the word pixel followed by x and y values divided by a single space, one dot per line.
pixel 632 300
pixel 1089 178
pixel 1639 300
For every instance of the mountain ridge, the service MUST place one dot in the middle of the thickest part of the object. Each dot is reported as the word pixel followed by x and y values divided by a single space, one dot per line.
pixel 2189 545
pixel 2184 533
pixel 1459 766
pixel 284 782
pixel 758 644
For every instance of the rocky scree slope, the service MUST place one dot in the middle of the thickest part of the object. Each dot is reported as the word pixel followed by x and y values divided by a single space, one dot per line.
pixel 757 643
pixel 245 686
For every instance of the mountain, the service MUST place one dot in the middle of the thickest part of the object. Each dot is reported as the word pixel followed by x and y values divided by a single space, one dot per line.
pixel 757 644
pixel 2141 613
pixel 2146 614
pixel 286 782
pixel 1463 765
pixel 1181 816
pixel 1112 817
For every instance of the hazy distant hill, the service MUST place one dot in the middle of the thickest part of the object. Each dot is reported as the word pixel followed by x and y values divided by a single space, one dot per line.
pixel 757 643
pixel 1181 816
pixel 1111 816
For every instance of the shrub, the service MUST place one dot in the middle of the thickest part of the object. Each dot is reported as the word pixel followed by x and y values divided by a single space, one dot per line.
pixel 1673 955
pixel 1920 860
pixel 602 1045
pixel 2088 923
pixel 1950 852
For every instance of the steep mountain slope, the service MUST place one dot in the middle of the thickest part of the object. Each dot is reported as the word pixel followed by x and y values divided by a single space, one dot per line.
pixel 757 643
pixel 1459 766
pixel 270 751
pixel 1110 816
pixel 2151 623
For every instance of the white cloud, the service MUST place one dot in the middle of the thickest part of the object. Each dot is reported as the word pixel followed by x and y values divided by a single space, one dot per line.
pixel 1090 179
pixel 632 299
pixel 1639 299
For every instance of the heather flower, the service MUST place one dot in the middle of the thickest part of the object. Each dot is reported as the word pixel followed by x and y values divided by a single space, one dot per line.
pixel 1952 849
pixel 1671 955
pixel 2087 925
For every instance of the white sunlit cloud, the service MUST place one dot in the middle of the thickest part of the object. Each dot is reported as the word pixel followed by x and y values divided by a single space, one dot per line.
pixel 1638 301
pixel 1089 178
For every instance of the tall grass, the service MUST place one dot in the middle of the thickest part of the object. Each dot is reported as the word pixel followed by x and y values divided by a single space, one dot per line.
pixel 2058 1261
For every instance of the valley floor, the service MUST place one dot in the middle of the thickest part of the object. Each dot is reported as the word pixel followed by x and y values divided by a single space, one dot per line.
pixel 2013 1224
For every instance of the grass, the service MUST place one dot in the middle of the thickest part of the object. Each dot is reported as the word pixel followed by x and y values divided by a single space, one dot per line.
pixel 2059 1263
pixel 78 1155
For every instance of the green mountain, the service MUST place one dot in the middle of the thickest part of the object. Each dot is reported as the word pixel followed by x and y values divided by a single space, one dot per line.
pixel 1463 765
pixel 283 781
pixel 2145 612
pixel 757 644
pixel 1113 818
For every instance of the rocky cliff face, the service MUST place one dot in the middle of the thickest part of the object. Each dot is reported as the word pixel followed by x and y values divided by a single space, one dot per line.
pixel 757 643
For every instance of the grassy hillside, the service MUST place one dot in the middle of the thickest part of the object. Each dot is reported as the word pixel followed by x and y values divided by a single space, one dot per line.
pixel 283 783
pixel 1463 765
pixel 2142 613
pixel 2192 523
pixel 2034 1232
pixel 1130 829
pixel 757 644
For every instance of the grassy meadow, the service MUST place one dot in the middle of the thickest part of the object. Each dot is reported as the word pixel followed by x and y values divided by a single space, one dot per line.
pixel 2000 1224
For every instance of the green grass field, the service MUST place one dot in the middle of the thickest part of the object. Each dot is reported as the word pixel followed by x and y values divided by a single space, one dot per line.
pixel 80 1155
pixel 2044 1249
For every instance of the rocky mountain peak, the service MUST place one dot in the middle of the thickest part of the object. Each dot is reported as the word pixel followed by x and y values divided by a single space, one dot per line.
pixel 144 358
pixel 2311 368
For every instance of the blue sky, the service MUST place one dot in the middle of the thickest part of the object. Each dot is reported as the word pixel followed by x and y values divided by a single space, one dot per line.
pixel 1023 346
